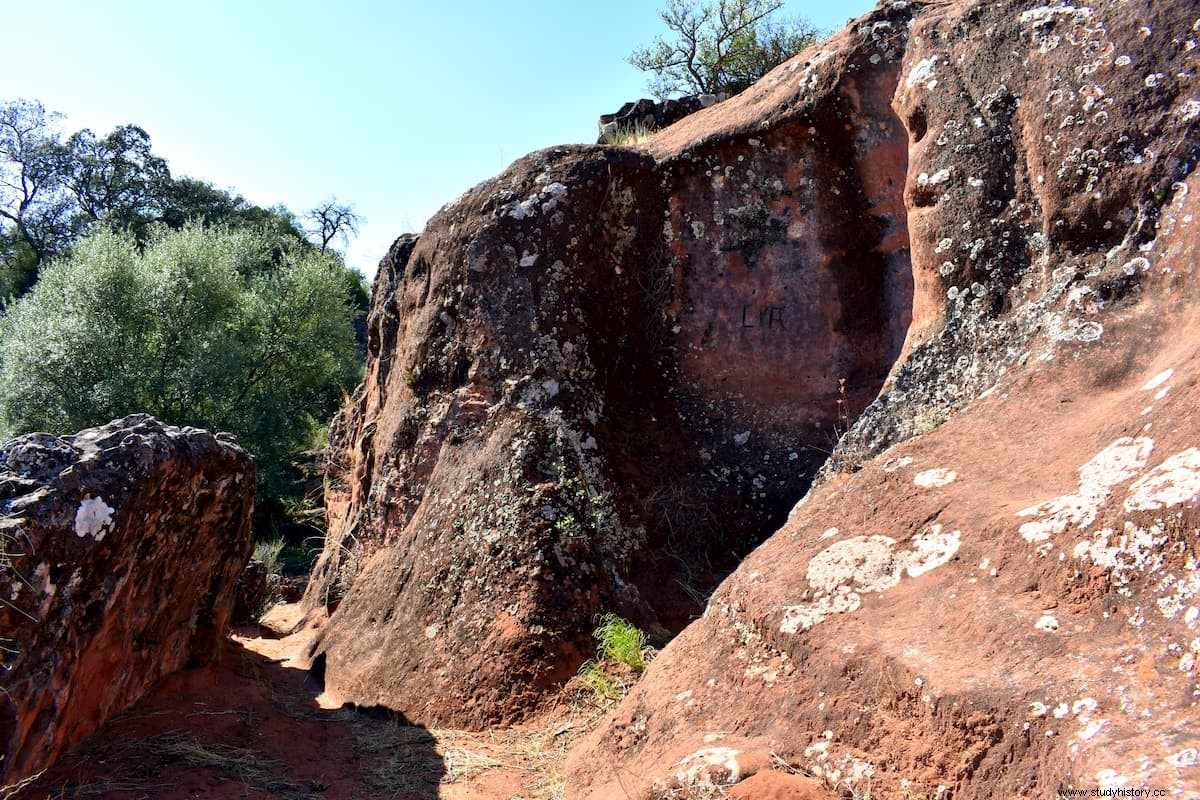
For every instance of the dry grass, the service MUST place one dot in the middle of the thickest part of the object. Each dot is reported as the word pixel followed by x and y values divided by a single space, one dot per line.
pixel 403 758
pixel 628 136
pixel 536 751
pixel 138 762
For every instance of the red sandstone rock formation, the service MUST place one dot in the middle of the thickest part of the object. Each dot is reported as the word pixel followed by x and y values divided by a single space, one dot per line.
pixel 121 547
pixel 603 366
pixel 590 376
pixel 1004 599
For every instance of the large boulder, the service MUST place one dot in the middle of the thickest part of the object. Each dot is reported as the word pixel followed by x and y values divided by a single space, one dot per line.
pixel 121 546
pixel 591 383
pixel 994 589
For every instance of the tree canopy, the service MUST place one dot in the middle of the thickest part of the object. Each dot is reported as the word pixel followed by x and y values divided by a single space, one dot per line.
pixel 214 327
pixel 125 289
pixel 720 47
pixel 55 189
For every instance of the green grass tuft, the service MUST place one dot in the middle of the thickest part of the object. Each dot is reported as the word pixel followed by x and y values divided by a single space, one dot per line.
pixel 620 640
pixel 603 687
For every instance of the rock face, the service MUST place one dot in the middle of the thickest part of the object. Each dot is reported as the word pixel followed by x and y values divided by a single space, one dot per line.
pixel 1004 599
pixel 962 230
pixel 591 380
pixel 121 547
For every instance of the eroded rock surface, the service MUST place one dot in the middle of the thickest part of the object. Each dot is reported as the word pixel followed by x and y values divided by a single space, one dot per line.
pixel 121 548
pixel 1004 599
pixel 593 382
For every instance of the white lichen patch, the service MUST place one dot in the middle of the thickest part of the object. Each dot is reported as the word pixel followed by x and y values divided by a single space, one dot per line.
pixel 708 766
pixel 1117 463
pixel 932 478
pixel 865 563
pixel 840 574
pixel 1045 23
pixel 941 176
pixel 1047 623
pixel 1188 757
pixel 846 770
pixel 1070 329
pixel 544 200
pixel 894 464
pixel 1175 481
pixel 41 578
pixel 1136 551
pixel 930 550
pixel 1090 728
pixel 922 72
pixel 93 518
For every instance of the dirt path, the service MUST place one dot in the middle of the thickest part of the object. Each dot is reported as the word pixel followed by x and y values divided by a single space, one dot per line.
pixel 254 726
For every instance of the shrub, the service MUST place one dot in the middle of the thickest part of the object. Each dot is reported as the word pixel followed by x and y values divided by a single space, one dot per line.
pixel 627 137
pixel 603 687
pixel 619 659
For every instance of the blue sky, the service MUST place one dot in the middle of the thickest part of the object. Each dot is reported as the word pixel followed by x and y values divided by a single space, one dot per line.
pixel 397 107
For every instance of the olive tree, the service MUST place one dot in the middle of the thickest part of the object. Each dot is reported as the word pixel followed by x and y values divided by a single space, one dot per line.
pixel 221 328
pixel 720 46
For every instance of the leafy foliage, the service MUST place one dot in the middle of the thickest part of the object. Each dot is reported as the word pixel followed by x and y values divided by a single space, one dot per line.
pixel 53 191
pixel 115 179
pixel 34 206
pixel 267 552
pixel 222 328
pixel 720 47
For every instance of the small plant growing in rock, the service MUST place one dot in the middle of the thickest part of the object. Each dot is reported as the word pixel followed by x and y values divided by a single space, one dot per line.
pixel 9 549
pixel 627 137
pixel 587 509
pixel 620 659
pixel 620 640
pixel 605 689
pixel 844 458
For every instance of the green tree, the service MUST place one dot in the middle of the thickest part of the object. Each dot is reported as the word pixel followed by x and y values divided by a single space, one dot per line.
pixel 35 207
pixel 115 179
pixel 722 46
pixel 221 328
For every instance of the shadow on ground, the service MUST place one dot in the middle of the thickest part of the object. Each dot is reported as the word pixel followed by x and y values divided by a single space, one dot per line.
pixel 249 726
